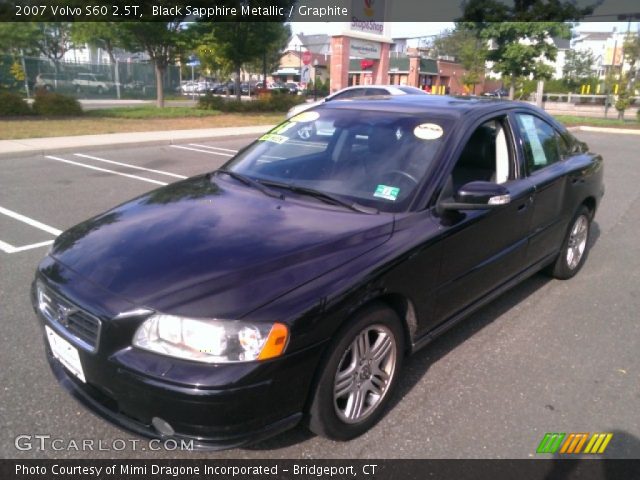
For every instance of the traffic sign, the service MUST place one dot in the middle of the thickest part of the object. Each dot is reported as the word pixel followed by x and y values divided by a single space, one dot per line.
pixel 193 61
pixel 306 57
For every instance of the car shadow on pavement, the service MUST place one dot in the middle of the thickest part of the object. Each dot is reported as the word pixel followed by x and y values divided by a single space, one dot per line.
pixel 416 366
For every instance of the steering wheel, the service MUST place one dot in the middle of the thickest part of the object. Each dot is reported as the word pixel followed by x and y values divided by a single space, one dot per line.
pixel 306 132
pixel 401 173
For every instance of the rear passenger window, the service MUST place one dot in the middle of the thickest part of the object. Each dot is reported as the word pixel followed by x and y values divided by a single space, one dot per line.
pixel 539 141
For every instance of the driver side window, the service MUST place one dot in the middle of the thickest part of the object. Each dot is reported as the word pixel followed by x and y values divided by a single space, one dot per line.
pixel 485 157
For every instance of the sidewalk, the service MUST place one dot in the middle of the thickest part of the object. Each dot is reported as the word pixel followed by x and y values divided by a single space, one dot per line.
pixel 35 146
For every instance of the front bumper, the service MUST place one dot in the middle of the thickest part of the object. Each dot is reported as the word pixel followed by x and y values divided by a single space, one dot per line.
pixel 215 406
pixel 210 418
pixel 103 406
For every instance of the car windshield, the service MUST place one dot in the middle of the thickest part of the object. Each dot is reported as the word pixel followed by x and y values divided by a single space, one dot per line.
pixel 375 159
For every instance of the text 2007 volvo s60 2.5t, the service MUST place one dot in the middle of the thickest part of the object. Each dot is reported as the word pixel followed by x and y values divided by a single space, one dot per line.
pixel 288 285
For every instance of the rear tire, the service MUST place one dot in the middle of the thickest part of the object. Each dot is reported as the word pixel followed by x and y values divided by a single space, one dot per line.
pixel 575 246
pixel 358 375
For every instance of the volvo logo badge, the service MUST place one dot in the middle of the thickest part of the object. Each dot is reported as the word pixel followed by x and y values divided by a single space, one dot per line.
pixel 63 315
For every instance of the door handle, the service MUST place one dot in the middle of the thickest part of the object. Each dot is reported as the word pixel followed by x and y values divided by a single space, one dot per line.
pixel 522 207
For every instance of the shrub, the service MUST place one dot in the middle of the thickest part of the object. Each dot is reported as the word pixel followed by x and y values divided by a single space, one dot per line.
pixel 13 105
pixel 50 104
pixel 270 102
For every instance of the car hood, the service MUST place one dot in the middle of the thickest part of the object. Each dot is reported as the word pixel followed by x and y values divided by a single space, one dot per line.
pixel 205 247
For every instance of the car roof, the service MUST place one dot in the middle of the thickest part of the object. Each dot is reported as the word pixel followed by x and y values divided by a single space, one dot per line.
pixel 437 104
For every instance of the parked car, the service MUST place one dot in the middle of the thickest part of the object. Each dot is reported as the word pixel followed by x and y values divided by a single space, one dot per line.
pixel 224 88
pixel 358 91
pixel 289 285
pixel 53 81
pixel 293 87
pixel 90 82
pixel 499 93
pixel 310 130
pixel 135 85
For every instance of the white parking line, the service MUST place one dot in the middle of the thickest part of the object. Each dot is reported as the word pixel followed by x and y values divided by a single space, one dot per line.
pixel 30 221
pixel 213 148
pixel 71 162
pixel 5 247
pixel 202 151
pixel 8 248
pixel 159 172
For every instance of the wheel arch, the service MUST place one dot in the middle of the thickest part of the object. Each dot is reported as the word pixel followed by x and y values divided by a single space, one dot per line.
pixel 591 204
pixel 399 304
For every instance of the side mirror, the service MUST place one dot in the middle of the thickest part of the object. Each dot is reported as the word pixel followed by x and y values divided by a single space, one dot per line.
pixel 478 196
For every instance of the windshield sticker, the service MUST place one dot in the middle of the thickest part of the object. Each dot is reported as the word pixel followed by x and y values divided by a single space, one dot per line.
pixel 428 131
pixel 305 117
pixel 283 128
pixel 388 193
pixel 272 137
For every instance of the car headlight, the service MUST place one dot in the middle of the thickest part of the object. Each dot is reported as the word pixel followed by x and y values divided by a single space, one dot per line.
pixel 211 340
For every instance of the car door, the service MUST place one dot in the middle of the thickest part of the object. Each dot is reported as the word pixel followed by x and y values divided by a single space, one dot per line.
pixel 482 249
pixel 540 148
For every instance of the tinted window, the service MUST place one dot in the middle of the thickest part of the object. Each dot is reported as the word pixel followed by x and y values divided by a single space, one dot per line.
pixel 376 91
pixel 539 141
pixel 356 92
pixel 410 90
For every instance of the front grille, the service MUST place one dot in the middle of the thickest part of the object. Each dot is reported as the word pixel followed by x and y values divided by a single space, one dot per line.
pixel 80 326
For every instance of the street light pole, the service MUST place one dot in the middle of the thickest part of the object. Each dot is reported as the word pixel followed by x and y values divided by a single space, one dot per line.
pixel 315 80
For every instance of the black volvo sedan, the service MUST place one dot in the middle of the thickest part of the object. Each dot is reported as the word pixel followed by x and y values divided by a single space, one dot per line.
pixel 289 285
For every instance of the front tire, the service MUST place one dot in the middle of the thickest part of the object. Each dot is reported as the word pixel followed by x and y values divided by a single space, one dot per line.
pixel 573 252
pixel 358 375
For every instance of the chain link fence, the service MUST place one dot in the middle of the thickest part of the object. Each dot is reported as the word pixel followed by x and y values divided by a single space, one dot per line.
pixel 125 80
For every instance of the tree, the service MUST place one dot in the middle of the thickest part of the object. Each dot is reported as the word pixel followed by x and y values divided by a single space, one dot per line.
pixel 160 40
pixel 235 44
pixel 521 34
pixel 105 35
pixel 54 40
pixel 16 37
pixel 577 66
pixel 468 49
pixel 51 39
pixel 631 56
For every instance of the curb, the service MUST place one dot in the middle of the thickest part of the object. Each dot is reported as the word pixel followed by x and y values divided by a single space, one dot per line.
pixel 110 141
pixel 624 131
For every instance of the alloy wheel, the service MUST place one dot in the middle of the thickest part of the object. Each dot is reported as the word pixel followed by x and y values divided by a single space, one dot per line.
pixel 364 373
pixel 577 241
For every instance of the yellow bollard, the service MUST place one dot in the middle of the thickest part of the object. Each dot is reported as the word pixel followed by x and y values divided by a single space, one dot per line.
pixel 598 89
pixel 615 89
pixel 588 89
pixel 582 87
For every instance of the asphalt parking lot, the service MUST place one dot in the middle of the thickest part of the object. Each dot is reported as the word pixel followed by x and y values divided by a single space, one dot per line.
pixel 548 356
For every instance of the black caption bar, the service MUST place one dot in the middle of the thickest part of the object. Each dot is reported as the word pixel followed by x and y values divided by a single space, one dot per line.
pixel 319 469
pixel 282 10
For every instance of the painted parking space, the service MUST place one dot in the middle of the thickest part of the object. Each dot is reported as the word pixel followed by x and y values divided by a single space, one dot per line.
pixel 90 182
pixel 7 247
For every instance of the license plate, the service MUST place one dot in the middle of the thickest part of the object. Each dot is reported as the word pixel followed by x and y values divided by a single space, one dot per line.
pixel 66 353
